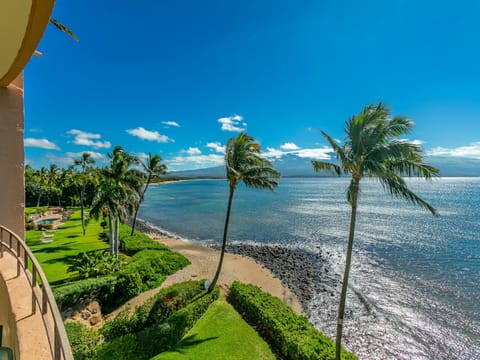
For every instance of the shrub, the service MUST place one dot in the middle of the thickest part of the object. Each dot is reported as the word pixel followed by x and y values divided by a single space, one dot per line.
pixel 122 348
pixel 289 334
pixel 130 284
pixel 138 242
pixel 161 336
pixel 82 340
pixel 147 270
pixel 156 309
pixel 95 263
pixel 101 289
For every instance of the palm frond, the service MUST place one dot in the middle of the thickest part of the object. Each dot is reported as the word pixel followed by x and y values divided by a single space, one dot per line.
pixel 396 186
pixel 327 167
pixel 63 28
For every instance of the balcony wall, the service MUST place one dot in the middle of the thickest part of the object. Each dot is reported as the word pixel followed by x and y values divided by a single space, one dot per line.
pixel 12 193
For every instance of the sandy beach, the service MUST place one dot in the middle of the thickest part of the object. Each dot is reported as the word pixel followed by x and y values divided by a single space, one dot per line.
pixel 204 262
pixel 203 265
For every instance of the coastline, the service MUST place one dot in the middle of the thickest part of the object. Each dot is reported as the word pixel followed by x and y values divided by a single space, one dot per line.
pixel 236 266
pixel 294 275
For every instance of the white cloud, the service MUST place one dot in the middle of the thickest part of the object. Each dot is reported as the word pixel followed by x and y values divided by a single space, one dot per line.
pixel 170 123
pixel 86 139
pixel 217 147
pixel 315 153
pixel 318 153
pixel 468 151
pixel 274 153
pixel 195 162
pixel 95 155
pixel 34 130
pixel 142 156
pixel 67 159
pixel 40 143
pixel 416 141
pixel 193 151
pixel 232 123
pixel 148 135
pixel 289 146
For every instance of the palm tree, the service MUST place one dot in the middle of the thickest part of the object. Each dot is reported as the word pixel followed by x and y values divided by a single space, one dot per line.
pixel 52 181
pixel 373 149
pixel 119 191
pixel 42 180
pixel 244 163
pixel 110 197
pixel 152 167
pixel 83 162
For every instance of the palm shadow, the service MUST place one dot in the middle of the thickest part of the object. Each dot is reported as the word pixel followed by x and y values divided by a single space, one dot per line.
pixel 189 342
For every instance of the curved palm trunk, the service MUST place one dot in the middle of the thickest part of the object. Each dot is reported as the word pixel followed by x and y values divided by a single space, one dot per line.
pixel 224 242
pixel 138 206
pixel 343 296
pixel 38 199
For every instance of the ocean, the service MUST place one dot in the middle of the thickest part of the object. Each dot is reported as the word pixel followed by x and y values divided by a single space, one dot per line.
pixel 415 280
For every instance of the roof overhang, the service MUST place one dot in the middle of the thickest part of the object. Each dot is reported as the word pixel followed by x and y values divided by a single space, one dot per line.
pixel 22 24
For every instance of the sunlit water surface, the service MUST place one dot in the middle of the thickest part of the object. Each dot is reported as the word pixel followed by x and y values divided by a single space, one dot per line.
pixel 415 279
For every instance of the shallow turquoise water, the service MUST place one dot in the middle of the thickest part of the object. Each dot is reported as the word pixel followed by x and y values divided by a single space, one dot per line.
pixel 419 274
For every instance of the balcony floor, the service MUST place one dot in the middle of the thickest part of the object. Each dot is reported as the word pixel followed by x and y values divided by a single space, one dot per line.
pixel 31 333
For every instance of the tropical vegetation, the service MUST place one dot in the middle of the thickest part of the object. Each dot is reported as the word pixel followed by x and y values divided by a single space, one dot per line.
pixel 290 335
pixel 374 148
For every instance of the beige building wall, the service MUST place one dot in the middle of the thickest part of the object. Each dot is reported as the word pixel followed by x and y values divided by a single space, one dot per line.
pixel 12 193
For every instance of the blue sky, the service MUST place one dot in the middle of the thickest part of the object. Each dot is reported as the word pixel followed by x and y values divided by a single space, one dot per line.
pixel 179 78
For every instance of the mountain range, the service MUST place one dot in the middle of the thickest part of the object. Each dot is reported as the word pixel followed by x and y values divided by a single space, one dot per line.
pixel 294 166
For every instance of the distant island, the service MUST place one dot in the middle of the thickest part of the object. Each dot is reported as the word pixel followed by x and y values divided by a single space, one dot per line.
pixel 295 166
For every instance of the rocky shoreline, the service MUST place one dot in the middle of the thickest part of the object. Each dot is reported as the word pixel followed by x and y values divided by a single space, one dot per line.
pixel 307 274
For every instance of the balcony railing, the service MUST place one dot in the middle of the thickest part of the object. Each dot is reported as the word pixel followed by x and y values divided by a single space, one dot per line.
pixel 42 296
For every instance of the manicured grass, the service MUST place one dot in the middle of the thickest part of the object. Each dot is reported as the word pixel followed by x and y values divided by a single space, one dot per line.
pixel 220 334
pixel 55 257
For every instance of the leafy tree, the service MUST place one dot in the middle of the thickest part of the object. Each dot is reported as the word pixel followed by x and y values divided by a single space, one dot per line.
pixel 373 149
pixel 84 163
pixel 118 191
pixel 152 167
pixel 244 163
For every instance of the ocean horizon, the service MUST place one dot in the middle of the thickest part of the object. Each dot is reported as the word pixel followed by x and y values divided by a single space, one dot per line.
pixel 414 282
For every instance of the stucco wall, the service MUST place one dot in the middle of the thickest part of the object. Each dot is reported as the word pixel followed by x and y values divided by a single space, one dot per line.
pixel 6 317
pixel 12 194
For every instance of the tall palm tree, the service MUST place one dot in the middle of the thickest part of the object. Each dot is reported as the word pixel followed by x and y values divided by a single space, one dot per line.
pixel 52 181
pixel 110 197
pixel 39 179
pixel 373 149
pixel 119 190
pixel 244 163
pixel 84 162
pixel 152 167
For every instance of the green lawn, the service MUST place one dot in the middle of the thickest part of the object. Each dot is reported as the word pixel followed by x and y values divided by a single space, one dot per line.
pixel 220 334
pixel 68 242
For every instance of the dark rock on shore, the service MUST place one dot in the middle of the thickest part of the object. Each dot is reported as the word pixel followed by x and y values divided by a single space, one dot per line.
pixel 307 274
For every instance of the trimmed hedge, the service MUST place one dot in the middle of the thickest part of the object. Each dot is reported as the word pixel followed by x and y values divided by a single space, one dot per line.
pixel 155 310
pixel 138 242
pixel 146 270
pixel 101 289
pixel 82 340
pixel 158 337
pixel 289 334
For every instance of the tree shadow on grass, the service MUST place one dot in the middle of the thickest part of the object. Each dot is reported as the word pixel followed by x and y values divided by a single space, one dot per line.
pixel 189 342
pixel 52 249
